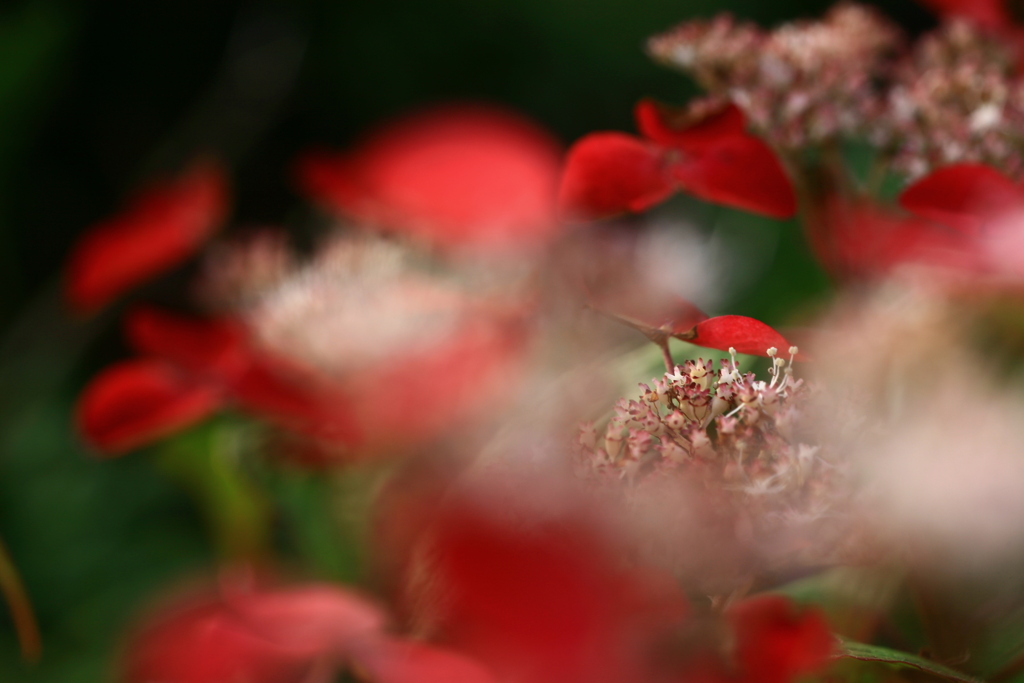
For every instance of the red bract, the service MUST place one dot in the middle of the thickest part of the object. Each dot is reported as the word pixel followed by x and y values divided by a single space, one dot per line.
pixel 160 228
pixel 138 401
pixel 539 600
pixel 776 642
pixel 859 240
pixel 284 636
pixel 993 14
pixel 544 597
pixel 456 176
pixel 219 353
pixel 377 408
pixel 713 158
pixel 957 216
pixel 963 196
pixel 739 332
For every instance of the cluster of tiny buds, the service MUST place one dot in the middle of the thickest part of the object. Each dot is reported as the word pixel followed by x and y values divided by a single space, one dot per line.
pixel 802 83
pixel 956 98
pixel 729 424
pixel 953 96
pixel 738 448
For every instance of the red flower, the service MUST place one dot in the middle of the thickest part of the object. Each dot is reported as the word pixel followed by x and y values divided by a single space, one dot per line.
pixel 204 363
pixel 455 176
pixel 160 228
pixel 284 636
pixel 713 158
pixel 134 402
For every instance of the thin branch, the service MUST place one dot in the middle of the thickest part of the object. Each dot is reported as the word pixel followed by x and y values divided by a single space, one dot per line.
pixel 21 607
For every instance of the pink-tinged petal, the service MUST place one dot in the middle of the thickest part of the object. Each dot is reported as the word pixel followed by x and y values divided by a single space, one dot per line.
pixel 778 642
pixel 744 334
pixel 610 173
pixel 205 642
pixel 963 196
pixel 136 402
pixel 159 229
pixel 398 661
pixel 677 129
pixel 454 176
pixel 739 171
pixel 317 618
pixel 216 348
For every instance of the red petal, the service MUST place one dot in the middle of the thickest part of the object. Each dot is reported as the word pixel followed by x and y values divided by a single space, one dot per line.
pixel 739 171
pixel 610 173
pixel 866 241
pixel 988 13
pixel 744 334
pixel 296 399
pixel 318 618
pixel 135 402
pixel 963 196
pixel 215 348
pixel 538 599
pixel 776 642
pixel 669 127
pixel 205 642
pixel 161 227
pixel 397 661
pixel 455 176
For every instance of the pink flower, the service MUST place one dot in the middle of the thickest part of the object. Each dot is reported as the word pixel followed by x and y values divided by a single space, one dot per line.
pixel 712 158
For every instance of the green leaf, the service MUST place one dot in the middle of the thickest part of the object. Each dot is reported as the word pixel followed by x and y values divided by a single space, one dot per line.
pixel 895 658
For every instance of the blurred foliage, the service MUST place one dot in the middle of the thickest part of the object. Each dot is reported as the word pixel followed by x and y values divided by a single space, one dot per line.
pixel 94 96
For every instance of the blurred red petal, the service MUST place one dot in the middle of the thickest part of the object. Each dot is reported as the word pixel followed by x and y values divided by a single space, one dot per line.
pixel 219 351
pixel 988 13
pixel 317 618
pixel 398 661
pixel 136 402
pixel 205 642
pixel 538 600
pixel 866 241
pixel 777 642
pixel 454 176
pixel 416 397
pixel 744 334
pixel 674 128
pixel 160 228
pixel 610 173
pixel 295 398
pixel 962 196
pixel 742 172
pixel 209 347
